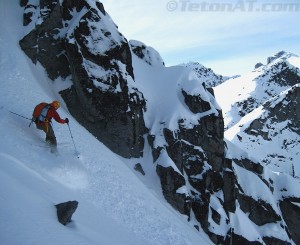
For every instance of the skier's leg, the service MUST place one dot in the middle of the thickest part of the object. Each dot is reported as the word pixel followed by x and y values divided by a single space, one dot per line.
pixel 50 136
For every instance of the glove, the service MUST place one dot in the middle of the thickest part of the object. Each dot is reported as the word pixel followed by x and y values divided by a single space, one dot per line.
pixel 67 120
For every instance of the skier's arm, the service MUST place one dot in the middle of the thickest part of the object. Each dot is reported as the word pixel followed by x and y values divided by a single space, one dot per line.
pixel 57 117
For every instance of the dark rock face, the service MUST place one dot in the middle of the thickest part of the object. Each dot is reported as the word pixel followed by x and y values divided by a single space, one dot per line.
pixel 195 103
pixel 171 181
pixel 65 211
pixel 237 239
pixel 103 97
pixel 198 155
pixel 274 241
pixel 259 211
pixel 250 165
pixel 290 208
pixel 42 43
pixel 229 190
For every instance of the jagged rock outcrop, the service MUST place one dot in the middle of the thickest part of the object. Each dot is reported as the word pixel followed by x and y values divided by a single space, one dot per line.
pixel 194 157
pixel 77 38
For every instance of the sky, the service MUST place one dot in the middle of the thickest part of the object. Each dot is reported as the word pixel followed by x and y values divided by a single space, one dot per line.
pixel 228 36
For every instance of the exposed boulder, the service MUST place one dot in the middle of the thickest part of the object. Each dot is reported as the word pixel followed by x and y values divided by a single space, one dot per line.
pixel 138 167
pixel 65 211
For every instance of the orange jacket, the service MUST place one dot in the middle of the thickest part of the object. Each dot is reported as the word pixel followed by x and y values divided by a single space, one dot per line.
pixel 52 113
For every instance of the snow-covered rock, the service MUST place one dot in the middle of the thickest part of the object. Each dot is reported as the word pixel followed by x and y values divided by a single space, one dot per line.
pixel 206 75
pixel 79 39
pixel 271 132
pixel 146 53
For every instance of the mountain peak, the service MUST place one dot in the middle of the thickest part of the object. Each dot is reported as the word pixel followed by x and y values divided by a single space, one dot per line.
pixel 280 55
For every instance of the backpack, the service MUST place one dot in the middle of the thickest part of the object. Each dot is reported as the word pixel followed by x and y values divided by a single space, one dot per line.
pixel 40 112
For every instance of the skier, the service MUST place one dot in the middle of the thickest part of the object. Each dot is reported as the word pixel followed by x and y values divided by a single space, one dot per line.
pixel 42 115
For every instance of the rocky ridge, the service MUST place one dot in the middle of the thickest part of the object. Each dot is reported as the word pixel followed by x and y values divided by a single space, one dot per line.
pixel 273 132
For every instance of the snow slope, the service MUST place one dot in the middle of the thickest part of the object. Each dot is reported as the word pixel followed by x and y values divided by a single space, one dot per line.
pixel 115 207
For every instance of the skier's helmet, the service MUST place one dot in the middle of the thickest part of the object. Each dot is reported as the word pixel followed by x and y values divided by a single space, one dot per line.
pixel 55 104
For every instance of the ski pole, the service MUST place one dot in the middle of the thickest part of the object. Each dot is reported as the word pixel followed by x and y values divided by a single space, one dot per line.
pixel 22 117
pixel 76 152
